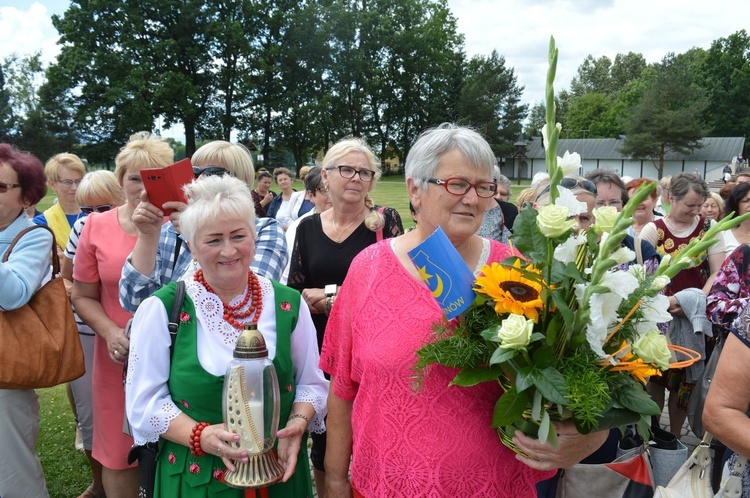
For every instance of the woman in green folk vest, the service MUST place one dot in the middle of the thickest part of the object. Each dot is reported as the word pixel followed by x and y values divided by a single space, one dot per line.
pixel 169 398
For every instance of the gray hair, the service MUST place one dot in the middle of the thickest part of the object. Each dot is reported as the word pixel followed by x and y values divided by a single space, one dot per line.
pixel 212 199
pixel 424 157
pixel 501 179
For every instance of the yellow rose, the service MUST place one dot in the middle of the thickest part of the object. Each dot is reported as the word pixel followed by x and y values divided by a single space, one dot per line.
pixel 605 218
pixel 652 348
pixel 553 221
pixel 515 331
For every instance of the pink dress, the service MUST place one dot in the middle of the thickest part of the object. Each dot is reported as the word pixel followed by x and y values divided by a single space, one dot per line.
pixel 102 250
pixel 433 442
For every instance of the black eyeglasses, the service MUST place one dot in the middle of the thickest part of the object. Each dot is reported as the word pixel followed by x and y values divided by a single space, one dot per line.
pixel 4 187
pixel 101 208
pixel 209 171
pixel 459 186
pixel 366 175
pixel 571 183
pixel 319 190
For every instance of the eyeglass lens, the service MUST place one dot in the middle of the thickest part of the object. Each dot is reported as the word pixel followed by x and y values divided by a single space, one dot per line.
pixel 348 172
pixel 4 187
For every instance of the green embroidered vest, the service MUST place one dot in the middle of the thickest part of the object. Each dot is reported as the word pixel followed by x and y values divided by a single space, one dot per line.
pixel 199 394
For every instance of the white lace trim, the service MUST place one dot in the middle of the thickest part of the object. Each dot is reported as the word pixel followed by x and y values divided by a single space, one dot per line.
pixel 158 423
pixel 317 424
pixel 211 309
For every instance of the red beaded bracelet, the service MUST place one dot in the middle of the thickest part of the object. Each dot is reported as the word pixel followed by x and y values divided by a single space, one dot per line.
pixel 195 439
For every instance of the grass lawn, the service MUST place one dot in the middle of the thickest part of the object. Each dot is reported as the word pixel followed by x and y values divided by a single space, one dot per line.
pixel 65 468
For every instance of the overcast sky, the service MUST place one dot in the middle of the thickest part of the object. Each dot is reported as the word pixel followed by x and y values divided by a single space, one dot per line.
pixel 518 29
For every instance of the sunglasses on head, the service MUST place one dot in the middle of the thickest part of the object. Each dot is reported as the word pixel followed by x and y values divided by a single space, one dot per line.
pixel 209 171
pixel 101 208
pixel 571 183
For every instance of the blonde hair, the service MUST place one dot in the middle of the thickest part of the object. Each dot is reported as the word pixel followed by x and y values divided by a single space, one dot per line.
pixel 63 160
pixel 303 171
pixel 212 199
pixel 526 195
pixel 374 220
pixel 142 153
pixel 101 184
pixel 235 158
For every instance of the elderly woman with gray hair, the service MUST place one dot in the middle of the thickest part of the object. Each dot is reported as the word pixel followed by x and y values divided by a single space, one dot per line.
pixel 439 441
pixel 177 398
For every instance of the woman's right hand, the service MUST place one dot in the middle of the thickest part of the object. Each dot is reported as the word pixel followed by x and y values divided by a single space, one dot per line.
pixel 217 440
pixel 147 218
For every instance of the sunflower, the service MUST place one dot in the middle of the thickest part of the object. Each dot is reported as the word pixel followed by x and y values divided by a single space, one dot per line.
pixel 511 291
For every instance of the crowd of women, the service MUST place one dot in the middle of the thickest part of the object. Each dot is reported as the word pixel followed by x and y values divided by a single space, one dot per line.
pixel 342 335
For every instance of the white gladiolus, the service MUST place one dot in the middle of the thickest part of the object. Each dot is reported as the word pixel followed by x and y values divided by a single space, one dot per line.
pixel 566 252
pixel 570 163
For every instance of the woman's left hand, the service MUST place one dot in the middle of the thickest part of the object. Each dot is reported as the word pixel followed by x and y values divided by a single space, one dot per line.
pixel 290 439
pixel 573 447
pixel 315 299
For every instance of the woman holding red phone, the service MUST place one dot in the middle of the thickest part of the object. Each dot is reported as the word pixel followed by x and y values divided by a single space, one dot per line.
pixel 105 243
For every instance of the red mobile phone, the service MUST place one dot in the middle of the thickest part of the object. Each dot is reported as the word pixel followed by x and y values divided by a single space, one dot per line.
pixel 165 184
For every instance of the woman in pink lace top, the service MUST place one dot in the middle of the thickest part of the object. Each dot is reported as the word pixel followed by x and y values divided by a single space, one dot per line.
pixel 435 442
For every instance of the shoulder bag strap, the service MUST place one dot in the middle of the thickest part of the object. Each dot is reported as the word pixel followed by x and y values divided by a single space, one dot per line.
pixel 55 259
pixel 174 315
pixel 379 231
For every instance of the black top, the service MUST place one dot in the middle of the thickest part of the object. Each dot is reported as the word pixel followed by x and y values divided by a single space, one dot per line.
pixel 318 260
pixel 510 211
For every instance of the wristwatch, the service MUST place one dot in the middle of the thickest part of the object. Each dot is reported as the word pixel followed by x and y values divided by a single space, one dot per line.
pixel 330 290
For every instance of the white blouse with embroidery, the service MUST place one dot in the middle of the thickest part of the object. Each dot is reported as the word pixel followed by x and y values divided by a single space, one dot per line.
pixel 148 403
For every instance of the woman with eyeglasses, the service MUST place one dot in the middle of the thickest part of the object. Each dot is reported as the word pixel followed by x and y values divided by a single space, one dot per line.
pixel 687 193
pixel 105 242
pixel 161 254
pixel 99 192
pixel 437 441
pixel 64 173
pixel 326 242
pixel 22 184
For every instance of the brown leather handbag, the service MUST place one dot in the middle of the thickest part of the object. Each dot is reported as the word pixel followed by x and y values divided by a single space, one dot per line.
pixel 39 343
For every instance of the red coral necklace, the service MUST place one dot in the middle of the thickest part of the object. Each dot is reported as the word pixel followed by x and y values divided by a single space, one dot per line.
pixel 233 313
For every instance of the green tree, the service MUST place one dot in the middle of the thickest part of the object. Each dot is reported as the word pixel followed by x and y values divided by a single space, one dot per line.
pixel 490 102
pixel 24 75
pixel 6 111
pixel 667 117
pixel 725 78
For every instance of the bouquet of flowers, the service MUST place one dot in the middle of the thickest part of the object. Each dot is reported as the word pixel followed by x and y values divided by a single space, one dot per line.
pixel 569 330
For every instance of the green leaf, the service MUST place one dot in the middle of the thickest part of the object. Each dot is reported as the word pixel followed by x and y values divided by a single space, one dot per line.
pixel 551 384
pixel 527 238
pixel 473 376
pixel 614 417
pixel 547 433
pixel 634 397
pixel 526 378
pixel 562 306
pixel 536 406
pixel 490 334
pixel 544 357
pixel 501 355
pixel 509 408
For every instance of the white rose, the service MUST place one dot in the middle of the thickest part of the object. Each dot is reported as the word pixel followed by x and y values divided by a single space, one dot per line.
pixel 605 218
pixel 515 332
pixel 652 348
pixel 553 221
